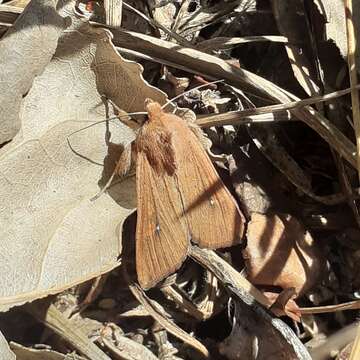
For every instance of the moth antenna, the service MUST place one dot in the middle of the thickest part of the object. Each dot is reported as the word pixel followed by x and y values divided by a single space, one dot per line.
pixel 86 127
pixel 99 122
pixel 134 125
pixel 107 185
pixel 188 91
pixel 105 120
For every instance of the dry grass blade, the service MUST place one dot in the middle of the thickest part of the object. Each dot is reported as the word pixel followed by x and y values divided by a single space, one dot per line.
pixel 158 25
pixel 51 317
pixel 351 42
pixel 159 315
pixel 239 117
pixel 181 300
pixel 289 23
pixel 352 305
pixel 170 326
pixel 221 43
pixel 127 349
pixel 113 12
pixel 334 343
pixel 346 187
pixel 29 353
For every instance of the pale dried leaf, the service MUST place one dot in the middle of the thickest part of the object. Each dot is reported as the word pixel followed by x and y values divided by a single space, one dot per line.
pixel 18 3
pixel 25 50
pixel 53 236
pixel 334 15
pixel 5 352
pixel 280 252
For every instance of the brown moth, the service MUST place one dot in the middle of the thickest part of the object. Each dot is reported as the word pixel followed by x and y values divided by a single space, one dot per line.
pixel 180 198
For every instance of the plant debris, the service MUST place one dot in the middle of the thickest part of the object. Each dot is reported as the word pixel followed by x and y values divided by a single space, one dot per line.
pixel 269 88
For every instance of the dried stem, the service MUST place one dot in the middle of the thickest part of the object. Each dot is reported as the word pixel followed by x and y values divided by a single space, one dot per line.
pixel 351 43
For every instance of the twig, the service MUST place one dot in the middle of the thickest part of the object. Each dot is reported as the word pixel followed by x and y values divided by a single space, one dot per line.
pixel 351 305
pixel 241 288
pixel 169 325
pixel 351 43
pixel 153 309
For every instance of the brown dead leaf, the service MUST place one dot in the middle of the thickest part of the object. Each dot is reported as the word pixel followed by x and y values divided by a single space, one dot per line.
pixel 25 50
pixel 280 252
pixel 52 235
pixel 5 352
pixel 284 304
pixel 253 338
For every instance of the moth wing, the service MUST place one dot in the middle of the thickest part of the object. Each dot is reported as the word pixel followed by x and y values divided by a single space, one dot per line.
pixel 213 216
pixel 162 235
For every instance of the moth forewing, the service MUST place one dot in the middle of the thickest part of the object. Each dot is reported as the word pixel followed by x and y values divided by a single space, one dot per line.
pixel 213 215
pixel 180 198
pixel 162 236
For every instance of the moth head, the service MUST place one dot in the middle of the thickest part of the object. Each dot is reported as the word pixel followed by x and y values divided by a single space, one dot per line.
pixel 153 109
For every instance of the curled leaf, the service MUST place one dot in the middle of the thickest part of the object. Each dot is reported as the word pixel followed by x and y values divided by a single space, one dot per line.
pixel 280 252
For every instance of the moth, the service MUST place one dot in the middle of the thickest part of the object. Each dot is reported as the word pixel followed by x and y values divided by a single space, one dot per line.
pixel 180 197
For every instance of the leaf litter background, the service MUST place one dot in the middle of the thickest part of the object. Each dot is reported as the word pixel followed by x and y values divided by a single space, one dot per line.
pixel 48 223
pixel 54 67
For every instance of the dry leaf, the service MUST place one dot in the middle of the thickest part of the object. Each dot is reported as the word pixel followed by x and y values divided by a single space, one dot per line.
pixel 333 12
pixel 334 22
pixel 25 50
pixel 5 352
pixel 280 252
pixel 48 224
pixel 253 338
pixel 283 303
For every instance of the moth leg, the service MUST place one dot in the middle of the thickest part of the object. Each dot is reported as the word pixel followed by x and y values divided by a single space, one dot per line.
pixel 122 168
pixel 203 306
pixel 92 294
